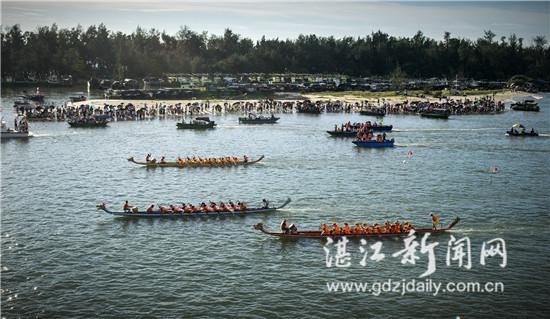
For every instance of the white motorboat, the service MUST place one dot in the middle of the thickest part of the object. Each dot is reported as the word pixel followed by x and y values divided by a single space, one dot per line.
pixel 21 132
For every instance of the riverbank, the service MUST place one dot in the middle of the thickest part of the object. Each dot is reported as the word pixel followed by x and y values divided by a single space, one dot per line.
pixel 346 97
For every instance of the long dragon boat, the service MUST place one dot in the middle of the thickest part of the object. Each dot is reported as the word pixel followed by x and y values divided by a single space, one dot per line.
pixel 201 213
pixel 94 121
pixel 152 164
pixel 318 234
pixel 436 114
pixel 374 144
pixel 258 120
pixel 373 112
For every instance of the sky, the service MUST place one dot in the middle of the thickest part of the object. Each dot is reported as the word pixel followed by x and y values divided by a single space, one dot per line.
pixel 288 19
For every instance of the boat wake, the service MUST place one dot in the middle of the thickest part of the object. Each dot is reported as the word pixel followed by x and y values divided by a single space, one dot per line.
pixel 449 129
pixel 411 145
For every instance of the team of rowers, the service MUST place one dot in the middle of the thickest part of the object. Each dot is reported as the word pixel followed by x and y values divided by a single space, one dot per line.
pixel 358 229
pixel 356 127
pixel 228 160
pixel 388 228
pixel 190 208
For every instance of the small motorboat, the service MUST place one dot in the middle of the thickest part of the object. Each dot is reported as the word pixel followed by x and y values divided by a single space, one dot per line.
pixel 527 106
pixel 199 123
pixel 374 144
pixel 79 97
pixel 522 133
pixel 519 130
pixel 22 130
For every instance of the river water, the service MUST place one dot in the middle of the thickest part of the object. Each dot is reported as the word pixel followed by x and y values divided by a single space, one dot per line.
pixel 62 258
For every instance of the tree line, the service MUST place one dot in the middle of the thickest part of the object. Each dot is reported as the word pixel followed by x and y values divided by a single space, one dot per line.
pixel 99 52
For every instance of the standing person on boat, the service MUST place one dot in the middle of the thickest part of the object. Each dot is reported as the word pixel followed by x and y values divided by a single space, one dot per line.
pixel 126 206
pixel 265 203
pixel 435 221
pixel 284 226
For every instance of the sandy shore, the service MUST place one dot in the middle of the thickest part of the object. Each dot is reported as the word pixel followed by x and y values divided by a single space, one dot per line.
pixel 505 96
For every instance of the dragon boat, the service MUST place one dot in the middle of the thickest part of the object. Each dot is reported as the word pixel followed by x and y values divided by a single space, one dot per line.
pixel 373 112
pixel 318 234
pixel 153 164
pixel 201 213
pixel 253 119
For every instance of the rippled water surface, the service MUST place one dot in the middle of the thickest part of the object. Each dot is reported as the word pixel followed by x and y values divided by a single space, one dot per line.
pixel 62 258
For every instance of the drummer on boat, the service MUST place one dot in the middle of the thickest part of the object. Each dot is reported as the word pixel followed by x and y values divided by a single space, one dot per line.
pixel 284 227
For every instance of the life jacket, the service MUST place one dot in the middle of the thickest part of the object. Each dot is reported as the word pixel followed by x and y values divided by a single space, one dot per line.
pixel 125 206
pixel 357 230
pixel 164 210
pixel 346 230
pixel 175 209
pixel 205 208
pixel 234 207
pixel 195 209
pixel 336 230
pixel 435 219
pixel 150 209
pixel 242 206
pixel 186 209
